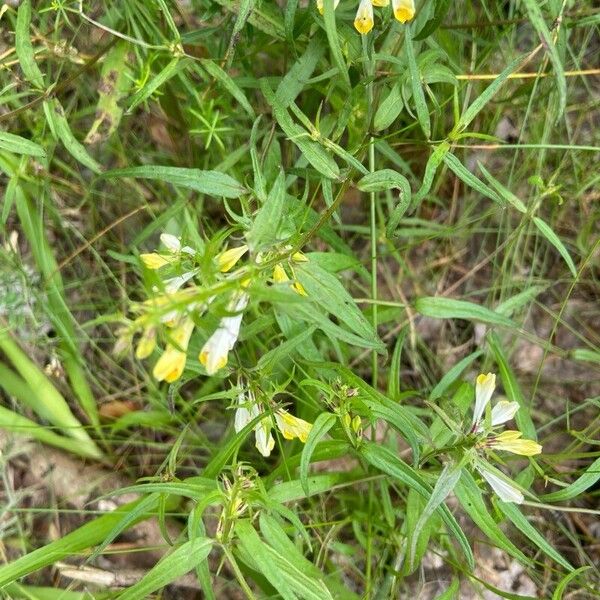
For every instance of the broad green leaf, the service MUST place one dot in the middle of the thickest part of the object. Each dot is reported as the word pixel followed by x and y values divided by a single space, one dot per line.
pixel 417 87
pixel 388 462
pixel 20 145
pixel 578 487
pixel 314 153
pixel 60 126
pixel 323 423
pixel 24 48
pixel 267 221
pixel 471 180
pixel 470 498
pixel 214 70
pixel 176 564
pixel 512 512
pixel 453 374
pixel 547 232
pixel 389 109
pixel 212 183
pixel 439 307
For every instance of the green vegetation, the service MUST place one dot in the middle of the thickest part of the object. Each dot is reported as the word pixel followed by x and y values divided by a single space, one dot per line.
pixel 314 286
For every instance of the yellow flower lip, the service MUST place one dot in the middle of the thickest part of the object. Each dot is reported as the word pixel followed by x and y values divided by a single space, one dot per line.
pixel 153 260
pixel 292 427
pixel 363 21
pixel 404 10
pixel 228 259
pixel 510 441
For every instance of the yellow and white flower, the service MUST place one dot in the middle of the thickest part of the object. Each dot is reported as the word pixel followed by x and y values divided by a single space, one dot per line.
pixel 510 441
pixel 248 409
pixel 404 10
pixel 155 260
pixel 484 388
pixel 172 361
pixel 320 7
pixel 292 427
pixel 363 22
pixel 147 343
pixel 215 352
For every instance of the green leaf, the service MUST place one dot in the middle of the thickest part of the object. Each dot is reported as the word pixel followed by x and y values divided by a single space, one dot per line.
pixel 326 290
pixel 214 70
pixel 471 180
pixel 562 586
pixel 267 221
pixel 20 145
pixel 212 183
pixel 503 192
pixel 296 78
pixel 537 20
pixel 314 153
pixel 479 103
pixel 388 462
pixel 578 487
pixel 547 232
pixel 60 125
pixel 24 48
pixel 447 308
pixel 431 168
pixel 443 486
pixel 417 87
pixel 323 423
pixel 389 109
pixel 334 42
pixel 283 351
pixel 176 564
pixel 512 512
pixel 173 67
pixel 453 374
pixel 393 389
pixel 470 498
pixel 585 355
pixel 441 9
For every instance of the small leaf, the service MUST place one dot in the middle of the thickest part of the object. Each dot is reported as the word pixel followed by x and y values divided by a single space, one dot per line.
pixel 24 48
pixel 389 109
pixel 471 180
pixel 590 476
pixel 214 70
pixel 173 67
pixel 20 145
pixel 334 42
pixel 453 374
pixel 417 87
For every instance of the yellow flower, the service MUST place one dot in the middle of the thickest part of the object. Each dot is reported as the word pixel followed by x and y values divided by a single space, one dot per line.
pixel 484 388
pixel 363 22
pixel 299 257
pixel 292 427
pixel 320 5
pixel 228 259
pixel 510 442
pixel 147 343
pixel 404 10
pixel 155 261
pixel 279 274
pixel 172 362
pixel 380 2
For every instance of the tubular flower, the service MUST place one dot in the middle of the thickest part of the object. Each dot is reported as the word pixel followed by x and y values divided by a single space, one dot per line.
pixel 147 343
pixel 363 22
pixel 505 490
pixel 484 388
pixel 320 5
pixel 404 10
pixel 228 259
pixel 215 352
pixel 292 427
pixel 172 362
pixel 248 409
pixel 280 276
pixel 154 261
pixel 510 442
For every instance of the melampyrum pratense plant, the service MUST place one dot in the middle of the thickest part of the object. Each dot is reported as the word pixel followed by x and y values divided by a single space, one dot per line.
pixel 260 321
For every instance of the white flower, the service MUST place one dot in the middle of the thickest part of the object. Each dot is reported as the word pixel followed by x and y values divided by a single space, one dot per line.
pixel 503 411
pixel 214 353
pixel 363 22
pixel 404 10
pixel 174 283
pixel 262 430
pixel 173 244
pixel 484 388
pixel 505 490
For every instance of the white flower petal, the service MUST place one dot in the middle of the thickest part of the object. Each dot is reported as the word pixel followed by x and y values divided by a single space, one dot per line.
pixel 173 284
pixel 484 388
pixel 504 490
pixel 170 242
pixel 504 411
